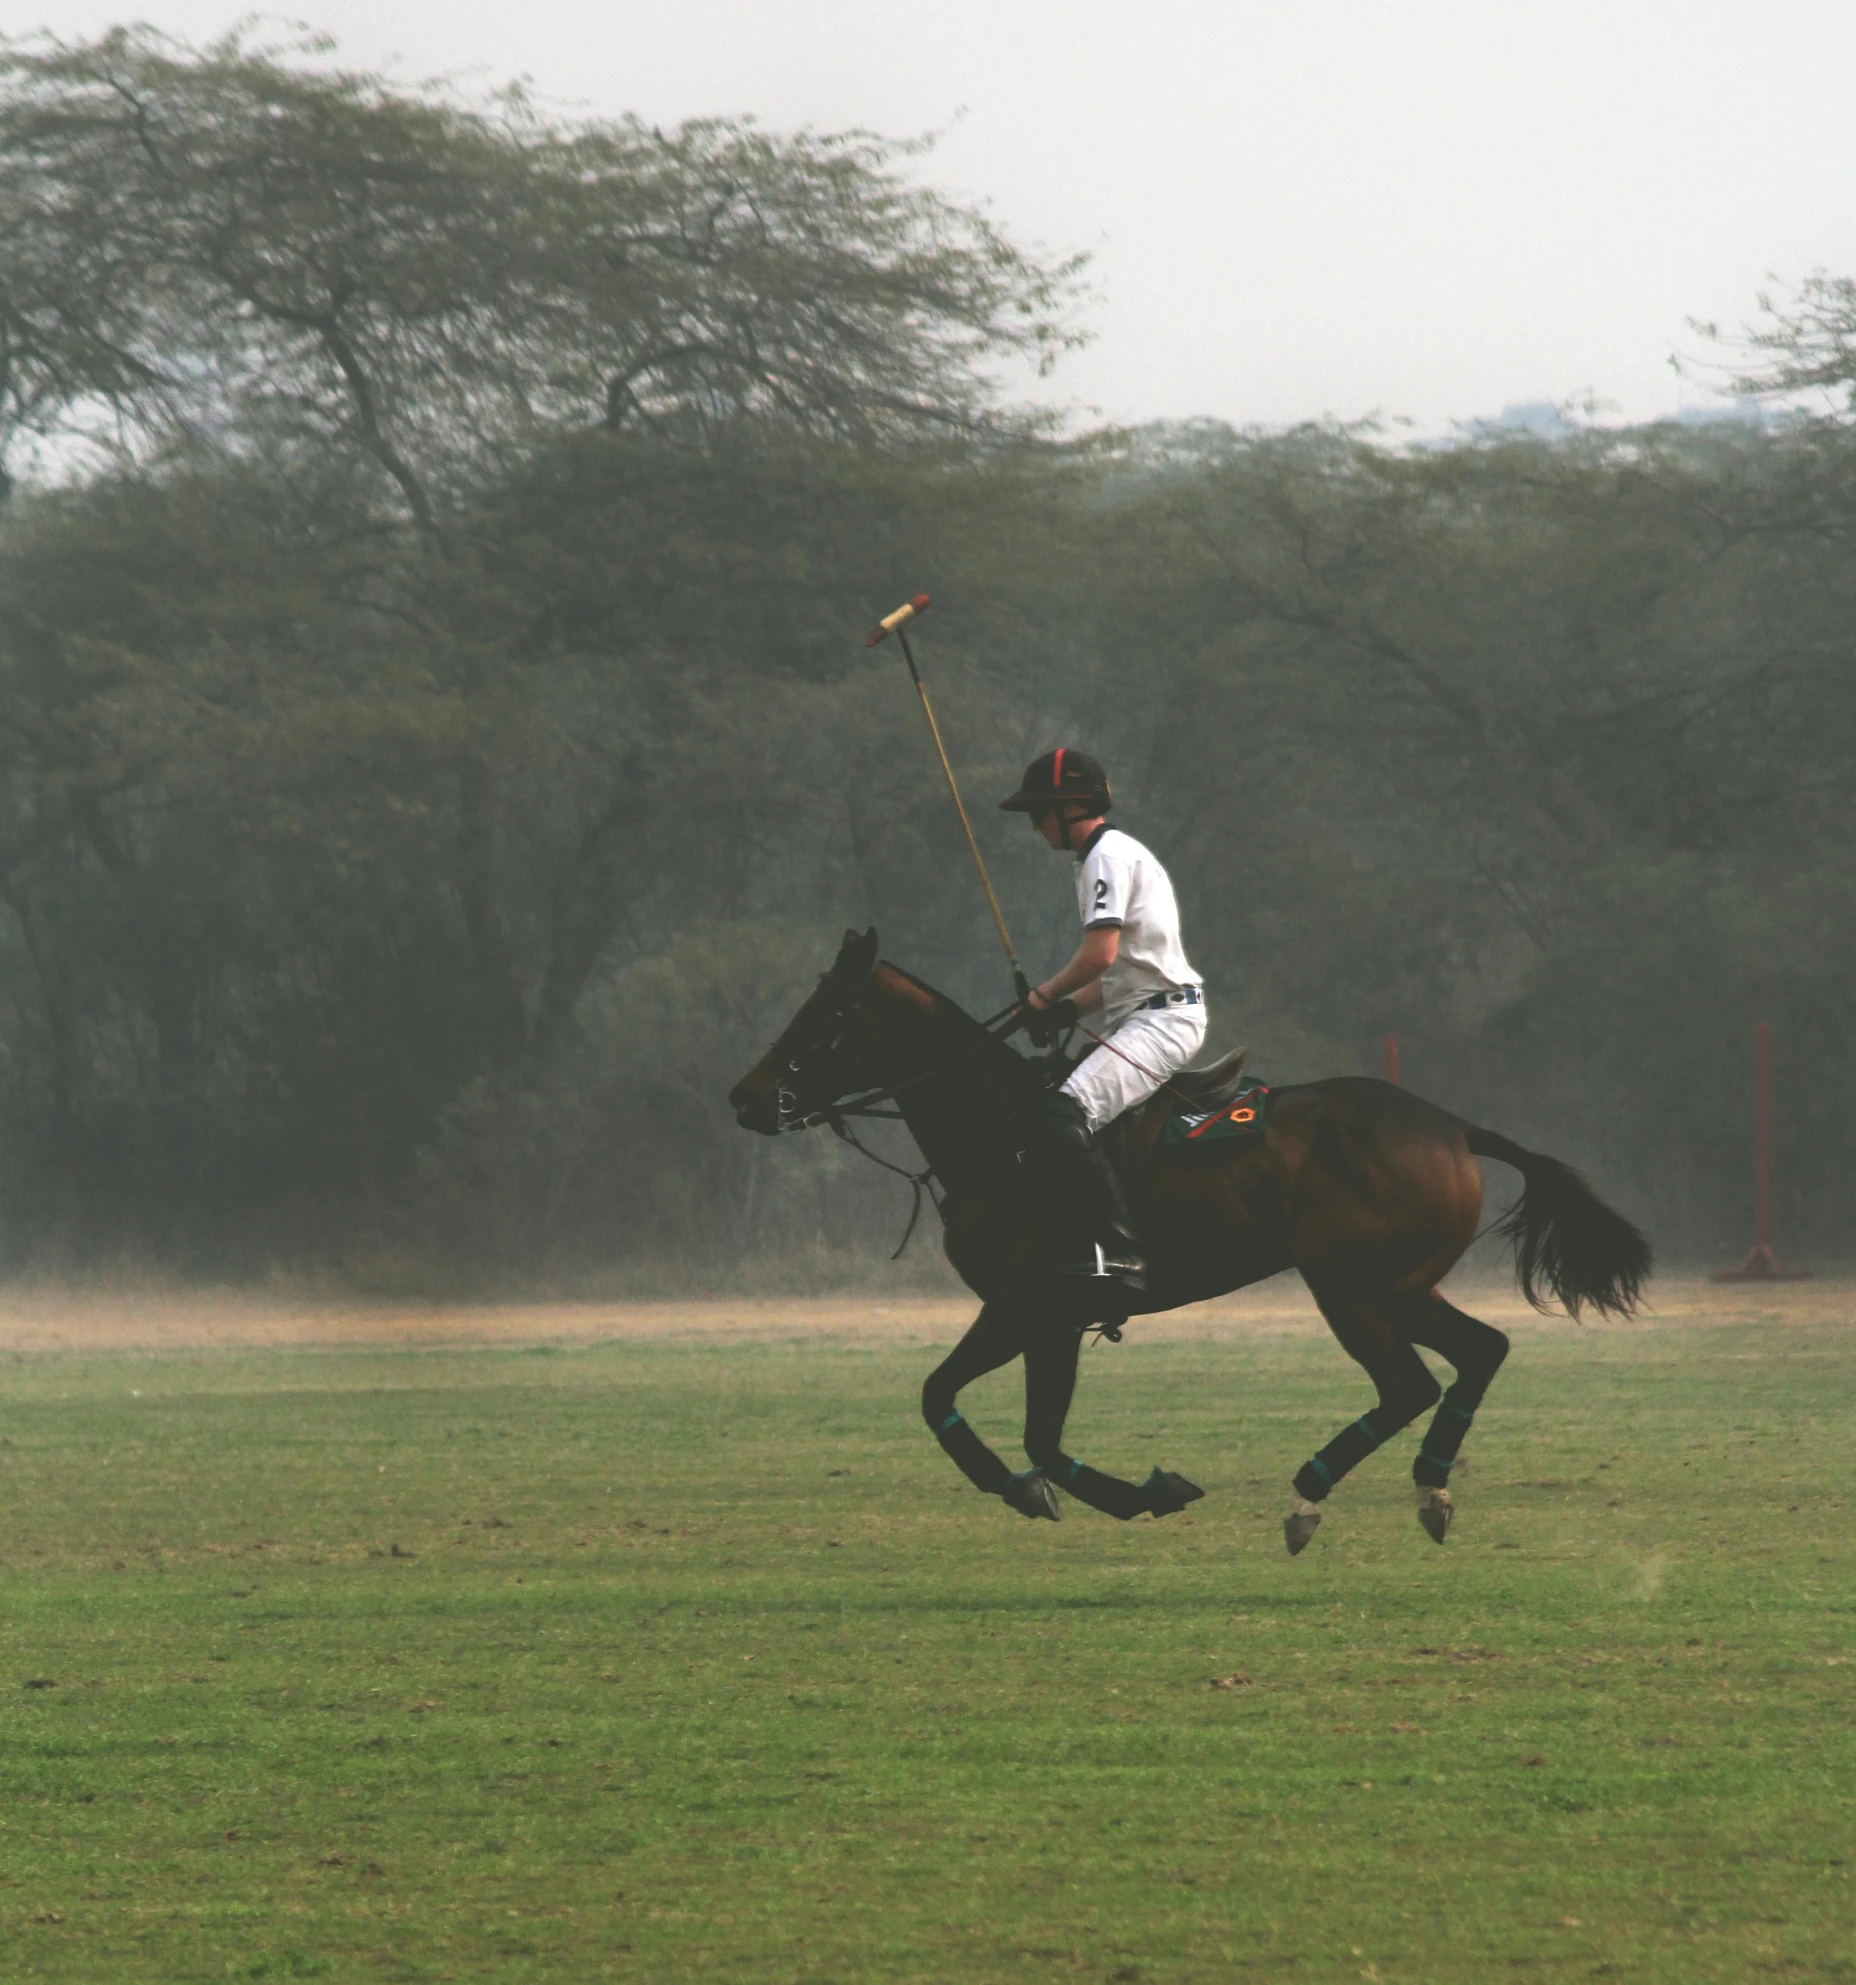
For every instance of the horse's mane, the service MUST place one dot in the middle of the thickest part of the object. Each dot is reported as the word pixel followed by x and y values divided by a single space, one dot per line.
pixel 951 1009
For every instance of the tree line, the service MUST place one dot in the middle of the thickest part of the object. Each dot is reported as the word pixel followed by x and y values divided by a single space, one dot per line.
pixel 437 749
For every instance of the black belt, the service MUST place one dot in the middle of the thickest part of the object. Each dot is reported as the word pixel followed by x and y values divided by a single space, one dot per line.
pixel 1181 996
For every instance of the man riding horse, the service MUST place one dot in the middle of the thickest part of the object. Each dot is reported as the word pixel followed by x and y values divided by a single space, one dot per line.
pixel 1132 969
pixel 1370 1192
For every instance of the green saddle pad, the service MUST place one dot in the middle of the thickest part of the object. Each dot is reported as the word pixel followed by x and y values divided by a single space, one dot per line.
pixel 1242 1120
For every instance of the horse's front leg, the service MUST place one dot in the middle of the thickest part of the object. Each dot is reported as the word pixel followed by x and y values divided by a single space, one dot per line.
pixel 995 1337
pixel 1051 1353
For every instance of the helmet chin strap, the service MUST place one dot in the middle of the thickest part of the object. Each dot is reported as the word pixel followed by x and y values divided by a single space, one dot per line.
pixel 1071 814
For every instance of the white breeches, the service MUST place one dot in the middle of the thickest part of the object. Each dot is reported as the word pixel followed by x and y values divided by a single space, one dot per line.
pixel 1155 1042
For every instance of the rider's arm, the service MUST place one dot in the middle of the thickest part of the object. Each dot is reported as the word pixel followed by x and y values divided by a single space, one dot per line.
pixel 1081 978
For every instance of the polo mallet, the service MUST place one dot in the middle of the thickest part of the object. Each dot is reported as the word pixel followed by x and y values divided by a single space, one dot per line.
pixel 896 624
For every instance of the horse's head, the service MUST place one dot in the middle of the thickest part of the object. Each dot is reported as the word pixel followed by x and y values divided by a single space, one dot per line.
pixel 818 1057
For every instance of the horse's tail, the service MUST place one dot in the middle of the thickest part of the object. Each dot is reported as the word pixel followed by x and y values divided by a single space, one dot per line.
pixel 1566 1236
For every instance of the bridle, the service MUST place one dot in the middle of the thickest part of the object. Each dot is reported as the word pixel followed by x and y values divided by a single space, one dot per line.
pixel 789 1117
pixel 870 1104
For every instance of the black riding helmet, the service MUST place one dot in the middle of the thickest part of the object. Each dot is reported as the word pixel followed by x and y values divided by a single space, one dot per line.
pixel 1059 778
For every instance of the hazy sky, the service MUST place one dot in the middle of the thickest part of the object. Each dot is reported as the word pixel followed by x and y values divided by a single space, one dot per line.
pixel 1421 208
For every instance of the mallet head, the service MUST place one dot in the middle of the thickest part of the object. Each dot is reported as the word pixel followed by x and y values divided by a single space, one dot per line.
pixel 900 618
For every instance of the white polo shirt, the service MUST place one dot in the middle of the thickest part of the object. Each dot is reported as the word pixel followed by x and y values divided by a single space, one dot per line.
pixel 1120 884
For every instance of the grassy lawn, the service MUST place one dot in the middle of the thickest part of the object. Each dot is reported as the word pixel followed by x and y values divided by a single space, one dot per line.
pixel 667 1661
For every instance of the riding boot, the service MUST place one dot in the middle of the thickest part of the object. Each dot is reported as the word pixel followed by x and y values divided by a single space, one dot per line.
pixel 1087 1184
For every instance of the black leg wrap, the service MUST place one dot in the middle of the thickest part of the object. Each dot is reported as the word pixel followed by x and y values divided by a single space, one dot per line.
pixel 1445 1435
pixel 1437 1456
pixel 1108 1493
pixel 1353 1444
pixel 1160 1495
pixel 975 1460
pixel 1341 1456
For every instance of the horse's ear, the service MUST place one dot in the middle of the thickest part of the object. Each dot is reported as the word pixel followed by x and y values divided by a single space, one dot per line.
pixel 856 955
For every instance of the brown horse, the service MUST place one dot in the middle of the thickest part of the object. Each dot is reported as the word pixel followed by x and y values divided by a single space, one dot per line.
pixel 1370 1192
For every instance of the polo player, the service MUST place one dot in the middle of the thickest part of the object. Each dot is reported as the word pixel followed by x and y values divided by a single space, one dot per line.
pixel 1130 968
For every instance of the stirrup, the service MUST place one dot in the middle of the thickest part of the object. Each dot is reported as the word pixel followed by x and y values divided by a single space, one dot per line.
pixel 1129 1272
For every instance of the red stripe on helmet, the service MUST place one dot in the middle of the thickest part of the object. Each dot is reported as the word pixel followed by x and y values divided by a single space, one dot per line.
pixel 1056 771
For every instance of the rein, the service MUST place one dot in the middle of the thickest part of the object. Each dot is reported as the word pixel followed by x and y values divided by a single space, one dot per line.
pixel 868 1105
pixel 919 1182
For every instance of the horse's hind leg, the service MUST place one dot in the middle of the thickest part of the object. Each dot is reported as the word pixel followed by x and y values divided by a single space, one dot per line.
pixel 1364 1325
pixel 1051 1355
pixel 1476 1349
pixel 994 1338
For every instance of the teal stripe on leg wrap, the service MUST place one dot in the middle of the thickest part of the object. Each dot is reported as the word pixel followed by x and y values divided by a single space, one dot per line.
pixel 1076 1468
pixel 1321 1468
pixel 1436 1460
pixel 952 1420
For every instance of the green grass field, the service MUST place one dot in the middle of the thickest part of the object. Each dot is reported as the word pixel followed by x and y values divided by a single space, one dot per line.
pixel 667 1661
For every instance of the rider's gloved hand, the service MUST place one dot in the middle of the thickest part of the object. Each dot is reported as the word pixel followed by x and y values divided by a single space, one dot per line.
pixel 1045 1023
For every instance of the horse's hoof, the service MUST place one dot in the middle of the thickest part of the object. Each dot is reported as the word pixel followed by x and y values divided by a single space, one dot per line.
pixel 1435 1512
pixel 1303 1520
pixel 1167 1493
pixel 1032 1495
